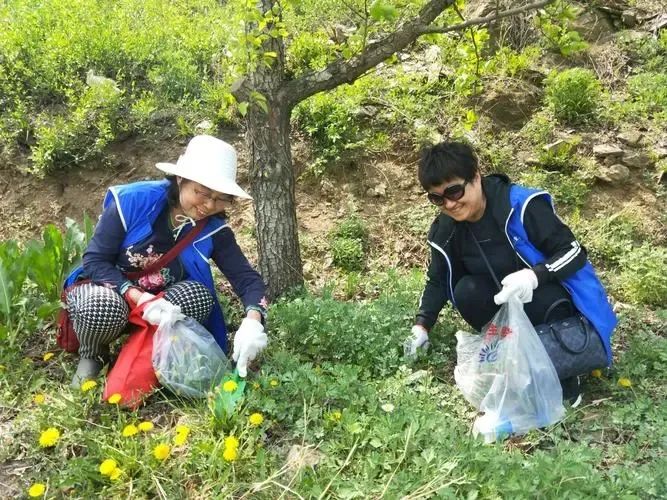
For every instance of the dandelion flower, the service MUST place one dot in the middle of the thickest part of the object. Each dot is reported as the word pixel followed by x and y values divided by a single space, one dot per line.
pixel 596 373
pixel 37 490
pixel 625 382
pixel 388 407
pixel 114 399
pixel 47 356
pixel 49 437
pixel 229 386
pixel 88 385
pixel 256 419
pixel 146 426
pixel 108 466
pixel 182 429
pixel 180 439
pixel 39 399
pixel 115 474
pixel 130 430
pixel 335 416
pixel 274 383
pixel 231 443
pixel 230 454
pixel 161 451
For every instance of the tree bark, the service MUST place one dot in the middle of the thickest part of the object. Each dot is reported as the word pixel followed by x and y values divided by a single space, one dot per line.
pixel 271 173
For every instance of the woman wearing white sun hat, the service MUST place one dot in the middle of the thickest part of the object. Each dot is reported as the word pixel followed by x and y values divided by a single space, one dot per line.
pixel 140 223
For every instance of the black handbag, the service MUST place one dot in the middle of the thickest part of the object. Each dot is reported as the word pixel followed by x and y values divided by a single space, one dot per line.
pixel 573 345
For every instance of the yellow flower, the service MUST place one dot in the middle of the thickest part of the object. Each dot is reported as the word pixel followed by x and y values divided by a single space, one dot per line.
pixel 231 443
pixel 274 383
pixel 182 429
pixel 596 373
pixel 256 419
pixel 624 382
pixel 146 426
pixel 39 399
pixel 335 416
pixel 108 466
pixel 115 474
pixel 88 385
pixel 49 437
pixel 130 430
pixel 114 399
pixel 255 385
pixel 161 451
pixel 229 386
pixel 230 454
pixel 180 439
pixel 37 490
pixel 47 356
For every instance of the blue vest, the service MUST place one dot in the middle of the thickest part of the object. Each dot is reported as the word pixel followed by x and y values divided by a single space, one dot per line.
pixel 587 292
pixel 139 204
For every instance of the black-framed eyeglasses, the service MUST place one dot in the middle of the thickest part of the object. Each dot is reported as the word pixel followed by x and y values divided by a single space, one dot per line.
pixel 453 193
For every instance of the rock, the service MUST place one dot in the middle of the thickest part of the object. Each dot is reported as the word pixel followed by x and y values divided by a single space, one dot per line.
pixel 637 160
pixel 629 18
pixel 660 152
pixel 378 191
pixel 512 104
pixel 607 150
pixel 557 148
pixel 204 126
pixel 631 138
pixel 615 174
pixel 327 188
pixel 299 457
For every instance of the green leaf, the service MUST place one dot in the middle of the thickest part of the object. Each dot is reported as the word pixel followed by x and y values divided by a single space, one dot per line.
pixel 243 108
pixel 381 11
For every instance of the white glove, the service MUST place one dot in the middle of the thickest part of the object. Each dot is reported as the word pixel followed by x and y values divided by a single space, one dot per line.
pixel 249 340
pixel 418 339
pixel 160 311
pixel 519 284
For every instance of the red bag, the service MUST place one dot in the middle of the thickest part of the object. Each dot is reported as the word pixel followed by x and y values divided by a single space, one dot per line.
pixel 65 336
pixel 133 376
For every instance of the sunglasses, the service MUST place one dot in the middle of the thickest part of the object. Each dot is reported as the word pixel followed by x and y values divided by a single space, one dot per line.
pixel 452 193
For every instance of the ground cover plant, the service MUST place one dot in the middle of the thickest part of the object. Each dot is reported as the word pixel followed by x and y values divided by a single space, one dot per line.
pixel 334 409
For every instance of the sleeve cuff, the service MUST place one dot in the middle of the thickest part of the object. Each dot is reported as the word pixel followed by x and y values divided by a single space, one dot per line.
pixel 542 273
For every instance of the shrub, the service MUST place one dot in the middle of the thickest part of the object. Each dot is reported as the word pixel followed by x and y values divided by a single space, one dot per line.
pixel 348 253
pixel 352 228
pixel 574 95
pixel 648 91
pixel 643 277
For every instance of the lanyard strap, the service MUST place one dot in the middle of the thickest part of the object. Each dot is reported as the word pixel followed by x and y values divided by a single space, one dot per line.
pixel 486 261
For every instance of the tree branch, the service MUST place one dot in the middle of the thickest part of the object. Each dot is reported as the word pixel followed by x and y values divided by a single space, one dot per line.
pixel 484 20
pixel 348 70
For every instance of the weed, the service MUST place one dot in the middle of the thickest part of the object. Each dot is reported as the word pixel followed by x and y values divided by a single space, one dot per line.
pixel 574 94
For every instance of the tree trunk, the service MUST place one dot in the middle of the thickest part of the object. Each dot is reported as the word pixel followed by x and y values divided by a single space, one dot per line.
pixel 272 183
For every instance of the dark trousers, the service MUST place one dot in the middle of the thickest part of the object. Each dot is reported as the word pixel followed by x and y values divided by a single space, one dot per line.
pixel 474 300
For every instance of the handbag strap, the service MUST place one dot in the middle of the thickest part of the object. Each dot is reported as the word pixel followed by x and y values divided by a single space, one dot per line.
pixel 171 254
pixel 553 306
pixel 486 261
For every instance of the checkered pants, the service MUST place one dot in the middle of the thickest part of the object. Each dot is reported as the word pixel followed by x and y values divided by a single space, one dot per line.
pixel 99 314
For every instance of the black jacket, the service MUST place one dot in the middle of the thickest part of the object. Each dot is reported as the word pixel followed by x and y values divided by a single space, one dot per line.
pixel 446 236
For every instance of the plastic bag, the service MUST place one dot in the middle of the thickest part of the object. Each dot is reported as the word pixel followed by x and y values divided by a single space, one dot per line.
pixel 186 357
pixel 506 373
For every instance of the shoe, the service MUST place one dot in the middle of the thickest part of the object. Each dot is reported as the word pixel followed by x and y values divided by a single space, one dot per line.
pixel 572 391
pixel 88 369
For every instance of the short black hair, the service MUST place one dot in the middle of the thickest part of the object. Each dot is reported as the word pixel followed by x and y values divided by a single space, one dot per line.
pixel 446 161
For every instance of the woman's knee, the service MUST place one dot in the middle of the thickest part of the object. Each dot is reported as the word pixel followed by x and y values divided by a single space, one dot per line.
pixel 98 308
pixel 194 299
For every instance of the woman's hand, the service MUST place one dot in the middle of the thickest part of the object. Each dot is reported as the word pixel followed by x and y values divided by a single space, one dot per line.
pixel 252 314
pixel 249 340
pixel 519 284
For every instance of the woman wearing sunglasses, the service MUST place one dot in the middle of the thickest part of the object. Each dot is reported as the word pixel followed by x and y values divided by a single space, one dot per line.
pixel 140 225
pixel 490 222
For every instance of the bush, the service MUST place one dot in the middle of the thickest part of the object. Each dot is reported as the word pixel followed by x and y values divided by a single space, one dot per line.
pixel 352 228
pixel 574 94
pixel 348 253
pixel 648 91
pixel 643 277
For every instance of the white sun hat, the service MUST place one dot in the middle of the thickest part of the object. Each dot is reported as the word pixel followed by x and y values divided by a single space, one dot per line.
pixel 209 161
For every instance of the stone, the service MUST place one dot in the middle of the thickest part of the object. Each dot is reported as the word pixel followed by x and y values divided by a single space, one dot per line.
pixel 630 138
pixel 660 152
pixel 558 147
pixel 629 18
pixel 606 150
pixel 204 126
pixel 615 174
pixel 637 160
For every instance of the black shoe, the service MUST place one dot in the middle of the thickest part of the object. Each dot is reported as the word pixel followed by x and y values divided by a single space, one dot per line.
pixel 571 391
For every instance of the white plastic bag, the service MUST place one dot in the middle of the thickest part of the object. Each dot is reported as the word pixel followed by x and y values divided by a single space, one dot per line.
pixel 186 357
pixel 506 373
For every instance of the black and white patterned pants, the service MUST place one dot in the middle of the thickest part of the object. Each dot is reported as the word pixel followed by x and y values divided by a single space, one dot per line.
pixel 99 314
